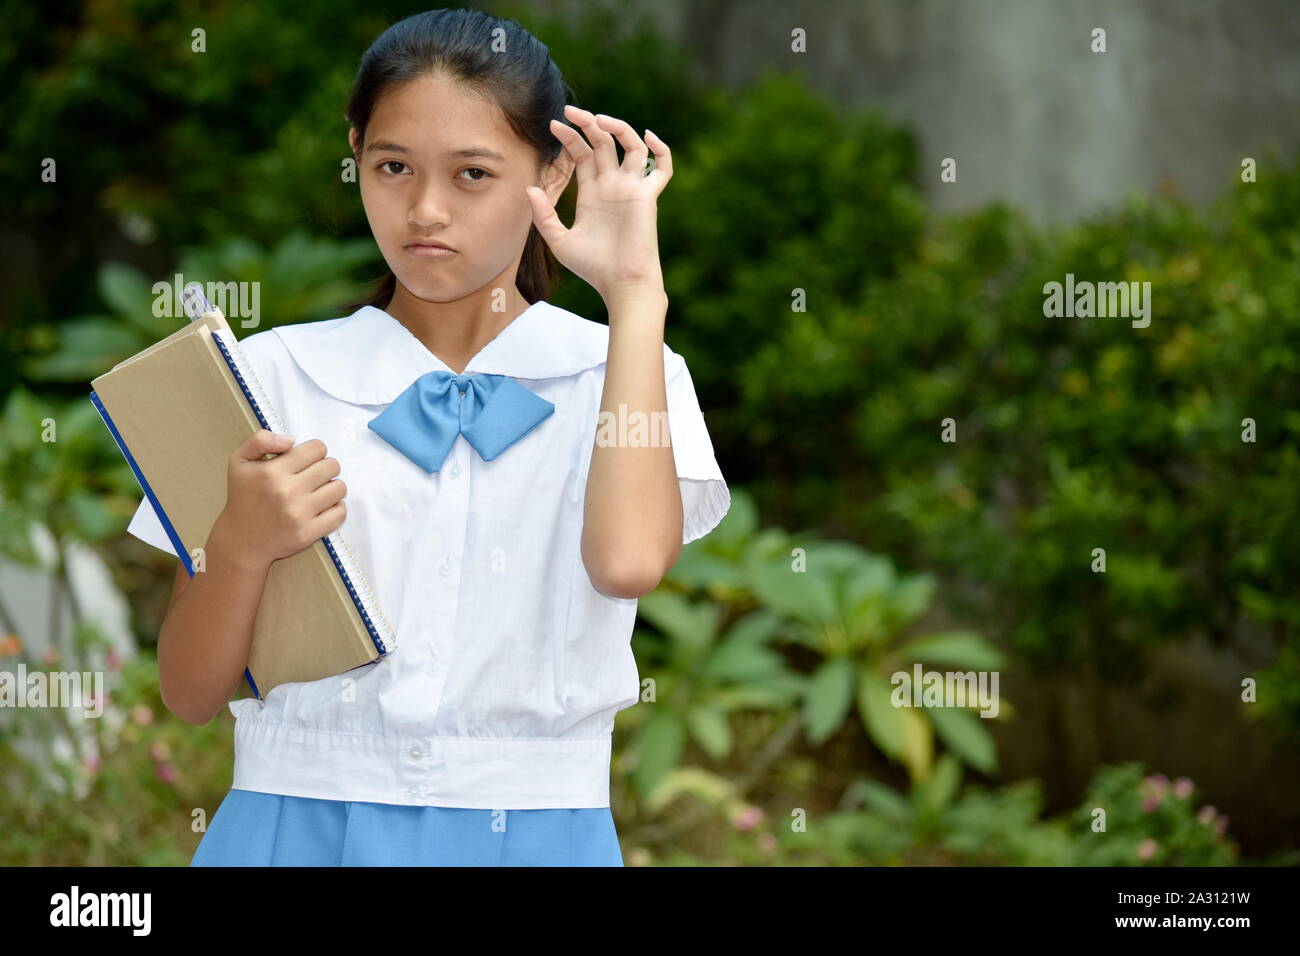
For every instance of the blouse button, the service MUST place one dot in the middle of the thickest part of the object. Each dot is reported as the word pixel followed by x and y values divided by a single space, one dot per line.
pixel 455 468
pixel 415 753
pixel 445 567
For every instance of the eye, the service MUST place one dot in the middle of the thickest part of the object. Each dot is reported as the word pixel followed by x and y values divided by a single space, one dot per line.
pixel 471 169
pixel 392 162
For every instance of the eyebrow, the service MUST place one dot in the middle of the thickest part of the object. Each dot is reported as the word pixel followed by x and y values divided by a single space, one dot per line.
pixel 469 152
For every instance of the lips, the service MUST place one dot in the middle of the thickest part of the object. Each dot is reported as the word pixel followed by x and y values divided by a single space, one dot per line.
pixel 425 250
pixel 429 244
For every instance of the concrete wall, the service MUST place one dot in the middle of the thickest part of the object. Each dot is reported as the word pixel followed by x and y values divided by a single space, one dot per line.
pixel 1011 90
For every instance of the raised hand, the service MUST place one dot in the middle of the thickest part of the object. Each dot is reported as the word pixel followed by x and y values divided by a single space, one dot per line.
pixel 613 244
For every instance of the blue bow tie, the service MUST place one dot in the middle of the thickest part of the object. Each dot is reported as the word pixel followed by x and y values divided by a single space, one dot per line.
pixel 491 411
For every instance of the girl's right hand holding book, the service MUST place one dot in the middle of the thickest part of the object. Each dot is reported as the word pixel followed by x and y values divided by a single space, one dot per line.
pixel 280 505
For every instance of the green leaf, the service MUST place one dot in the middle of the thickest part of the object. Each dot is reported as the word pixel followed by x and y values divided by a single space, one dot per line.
pixel 967 650
pixel 917 751
pixel 709 728
pixel 882 720
pixel 128 294
pixel 756 627
pixel 911 598
pixel 88 347
pixel 693 624
pixel 829 697
pixel 767 694
pixel 806 595
pixel 659 746
pixel 738 662
pixel 938 791
pixel 699 569
pixel 964 734
pixel 885 801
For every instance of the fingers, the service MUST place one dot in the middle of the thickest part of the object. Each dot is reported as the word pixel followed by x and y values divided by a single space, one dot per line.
pixel 578 150
pixel 261 443
pixel 634 151
pixel 544 216
pixel 602 143
pixel 663 170
pixel 600 155
pixel 301 455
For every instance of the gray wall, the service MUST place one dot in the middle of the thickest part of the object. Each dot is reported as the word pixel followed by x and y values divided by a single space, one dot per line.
pixel 1011 90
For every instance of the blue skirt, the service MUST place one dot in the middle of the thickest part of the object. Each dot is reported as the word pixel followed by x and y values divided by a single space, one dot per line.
pixel 251 828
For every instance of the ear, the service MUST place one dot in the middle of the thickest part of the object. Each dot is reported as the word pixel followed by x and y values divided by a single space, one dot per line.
pixel 556 175
pixel 355 142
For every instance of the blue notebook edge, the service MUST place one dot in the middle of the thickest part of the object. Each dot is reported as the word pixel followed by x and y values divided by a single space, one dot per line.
pixel 172 536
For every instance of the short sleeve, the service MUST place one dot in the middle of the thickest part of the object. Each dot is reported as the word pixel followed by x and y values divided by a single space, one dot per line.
pixel 705 496
pixel 147 526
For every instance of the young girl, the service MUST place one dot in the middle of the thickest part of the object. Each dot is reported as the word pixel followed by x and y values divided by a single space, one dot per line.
pixel 510 488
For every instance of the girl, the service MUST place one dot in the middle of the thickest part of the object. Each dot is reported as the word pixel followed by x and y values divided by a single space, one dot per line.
pixel 511 489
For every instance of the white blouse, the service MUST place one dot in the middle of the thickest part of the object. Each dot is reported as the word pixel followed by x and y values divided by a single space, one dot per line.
pixel 510 665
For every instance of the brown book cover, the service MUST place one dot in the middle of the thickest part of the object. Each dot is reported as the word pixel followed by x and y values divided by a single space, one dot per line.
pixel 177 410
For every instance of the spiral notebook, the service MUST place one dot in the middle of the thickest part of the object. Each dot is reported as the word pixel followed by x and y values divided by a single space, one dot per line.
pixel 177 410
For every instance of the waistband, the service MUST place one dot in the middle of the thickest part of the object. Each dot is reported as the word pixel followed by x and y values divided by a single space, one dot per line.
pixel 483 773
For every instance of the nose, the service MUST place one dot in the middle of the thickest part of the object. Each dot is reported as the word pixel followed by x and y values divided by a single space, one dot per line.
pixel 428 208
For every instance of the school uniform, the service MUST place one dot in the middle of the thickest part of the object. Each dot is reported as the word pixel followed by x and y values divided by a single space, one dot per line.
pixel 484 738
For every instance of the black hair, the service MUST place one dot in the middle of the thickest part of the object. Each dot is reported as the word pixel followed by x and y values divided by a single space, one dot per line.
pixel 494 56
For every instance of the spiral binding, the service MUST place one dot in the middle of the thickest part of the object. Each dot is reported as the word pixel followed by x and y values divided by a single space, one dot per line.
pixel 381 632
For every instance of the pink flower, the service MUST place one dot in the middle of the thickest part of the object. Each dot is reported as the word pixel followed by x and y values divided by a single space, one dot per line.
pixel 1158 784
pixel 51 655
pixel 1146 849
pixel 1183 788
pixel 159 751
pixel 112 661
pixel 142 715
pixel 1150 803
pixel 1206 813
pixel 1221 824
pixel 748 818
pixel 166 773
pixel 92 764
pixel 767 843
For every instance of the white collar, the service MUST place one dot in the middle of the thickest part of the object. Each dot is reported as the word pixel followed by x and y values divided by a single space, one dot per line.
pixel 369 358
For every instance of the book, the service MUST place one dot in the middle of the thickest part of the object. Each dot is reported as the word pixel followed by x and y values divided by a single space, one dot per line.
pixel 177 410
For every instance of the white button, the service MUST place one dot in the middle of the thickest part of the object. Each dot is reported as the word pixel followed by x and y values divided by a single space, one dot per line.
pixel 445 567
pixel 410 791
pixel 433 664
pixel 455 468
pixel 416 753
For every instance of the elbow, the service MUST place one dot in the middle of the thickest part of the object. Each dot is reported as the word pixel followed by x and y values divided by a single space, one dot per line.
pixel 634 579
pixel 627 582
pixel 193 716
pixel 181 713
pixel 627 571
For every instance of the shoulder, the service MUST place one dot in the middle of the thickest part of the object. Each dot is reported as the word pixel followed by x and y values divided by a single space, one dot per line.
pixel 584 344
pixel 275 342
pixel 322 352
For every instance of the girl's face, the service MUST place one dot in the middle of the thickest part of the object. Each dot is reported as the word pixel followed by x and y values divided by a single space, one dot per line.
pixel 441 164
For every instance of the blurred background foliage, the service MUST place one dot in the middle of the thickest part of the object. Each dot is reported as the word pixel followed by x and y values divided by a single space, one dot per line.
pixel 831 326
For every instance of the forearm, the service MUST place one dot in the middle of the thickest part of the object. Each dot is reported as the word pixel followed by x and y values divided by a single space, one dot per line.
pixel 632 518
pixel 204 643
